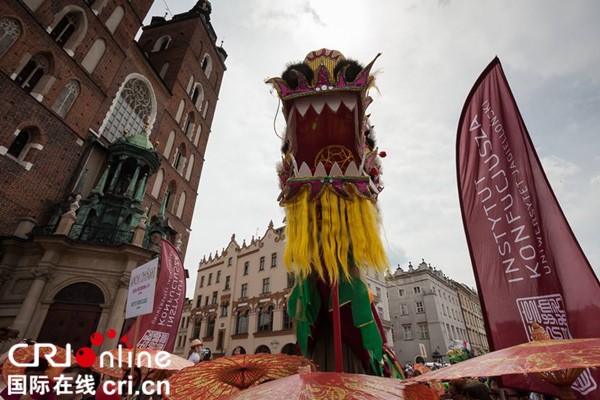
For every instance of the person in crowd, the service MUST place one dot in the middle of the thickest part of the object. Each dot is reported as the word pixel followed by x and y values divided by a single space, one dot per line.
pixel 196 354
pixel 514 394
pixel 207 354
pixel 462 389
pixel 33 374
pixel 238 350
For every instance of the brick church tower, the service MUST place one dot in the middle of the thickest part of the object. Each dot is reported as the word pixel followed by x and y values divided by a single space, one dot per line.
pixel 99 134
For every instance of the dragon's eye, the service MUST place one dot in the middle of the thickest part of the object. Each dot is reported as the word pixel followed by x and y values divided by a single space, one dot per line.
pixel 290 77
pixel 351 71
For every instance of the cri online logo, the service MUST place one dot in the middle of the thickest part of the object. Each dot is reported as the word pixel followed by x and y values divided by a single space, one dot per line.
pixel 86 357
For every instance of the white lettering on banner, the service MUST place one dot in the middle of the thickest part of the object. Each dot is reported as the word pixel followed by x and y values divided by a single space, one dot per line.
pixel 549 312
pixel 36 355
pixel 517 236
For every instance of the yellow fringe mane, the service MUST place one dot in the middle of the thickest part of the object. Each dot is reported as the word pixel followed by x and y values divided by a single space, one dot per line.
pixel 323 247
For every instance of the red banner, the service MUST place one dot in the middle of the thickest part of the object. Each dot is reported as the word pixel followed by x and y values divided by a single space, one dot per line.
pixel 528 265
pixel 158 330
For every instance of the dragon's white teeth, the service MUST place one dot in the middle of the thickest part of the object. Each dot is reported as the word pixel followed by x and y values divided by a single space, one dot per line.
pixel 336 170
pixel 320 170
pixel 352 170
pixel 304 170
pixel 318 103
pixel 294 165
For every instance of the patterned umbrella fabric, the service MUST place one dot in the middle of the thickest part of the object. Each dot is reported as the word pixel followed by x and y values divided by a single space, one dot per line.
pixel 147 358
pixel 27 354
pixel 526 358
pixel 228 375
pixel 333 385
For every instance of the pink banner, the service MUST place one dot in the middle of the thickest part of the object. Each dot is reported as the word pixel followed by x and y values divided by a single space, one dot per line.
pixel 158 330
pixel 528 265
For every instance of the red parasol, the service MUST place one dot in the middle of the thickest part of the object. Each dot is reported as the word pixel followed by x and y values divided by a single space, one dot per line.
pixel 334 385
pixel 559 362
pixel 117 369
pixel 27 354
pixel 228 375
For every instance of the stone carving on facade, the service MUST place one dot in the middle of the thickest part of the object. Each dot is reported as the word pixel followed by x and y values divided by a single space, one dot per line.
pixel 122 282
pixel 43 273
pixel 144 219
pixel 73 207
pixel 178 242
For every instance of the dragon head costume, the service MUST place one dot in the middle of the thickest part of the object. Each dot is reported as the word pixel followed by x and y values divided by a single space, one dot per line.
pixel 330 167
pixel 330 179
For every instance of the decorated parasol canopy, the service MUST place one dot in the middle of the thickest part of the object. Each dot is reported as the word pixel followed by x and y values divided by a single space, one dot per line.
pixel 334 385
pixel 228 375
pixel 147 357
pixel 27 354
pixel 558 362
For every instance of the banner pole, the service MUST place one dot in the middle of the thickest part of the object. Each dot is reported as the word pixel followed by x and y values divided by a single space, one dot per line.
pixel 337 329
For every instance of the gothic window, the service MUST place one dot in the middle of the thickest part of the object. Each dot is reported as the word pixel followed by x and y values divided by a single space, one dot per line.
pixel 181 205
pixel 17 147
pixel 169 146
pixel 189 126
pixel 69 28
pixel 94 55
pixel 190 166
pixel 198 96
pixel 32 72
pixel 66 98
pixel 162 43
pixel 179 159
pixel 65 28
pixel 163 70
pixel 115 19
pixel 241 325
pixel 206 65
pixel 170 196
pixel 265 319
pixel 158 183
pixel 10 30
pixel 134 103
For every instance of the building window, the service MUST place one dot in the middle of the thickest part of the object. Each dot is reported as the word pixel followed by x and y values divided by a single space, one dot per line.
pixel 210 328
pixel 94 55
pixel 227 282
pixel 400 292
pixel 241 323
pixel 378 291
pixel 189 126
pixel 209 279
pixel 32 72
pixel 244 293
pixel 407 332
pixel 206 301
pixel 65 28
pixel 229 261
pixel 198 96
pixel 162 43
pixel 273 260
pixel 265 319
pixel 66 98
pixel 246 267
pixel 261 265
pixel 206 65
pixel 420 308
pixel 202 281
pixel 17 147
pixel 423 331
pixel 403 309
pixel 197 327
pixel 266 285
pixel 214 297
pixel 10 30
pixel 198 301
pixel 224 308
pixel 416 290
pixel 218 279
pixel 115 19
pixel 134 103
pixel 287 320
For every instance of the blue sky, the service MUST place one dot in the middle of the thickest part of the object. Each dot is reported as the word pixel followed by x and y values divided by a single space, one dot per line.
pixel 432 53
